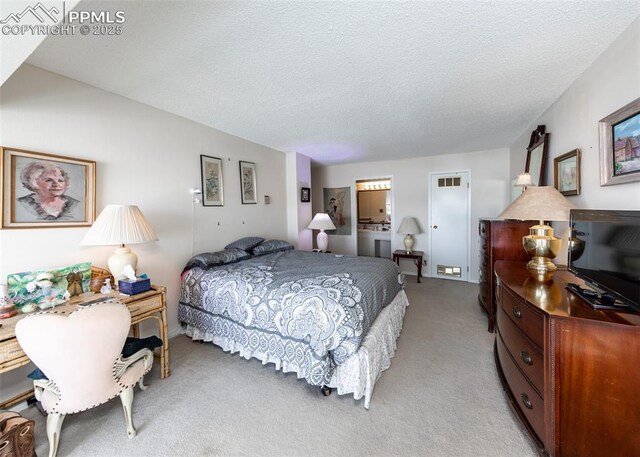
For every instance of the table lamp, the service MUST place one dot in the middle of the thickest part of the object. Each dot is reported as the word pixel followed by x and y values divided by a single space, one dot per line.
pixel 545 204
pixel 409 226
pixel 322 222
pixel 120 224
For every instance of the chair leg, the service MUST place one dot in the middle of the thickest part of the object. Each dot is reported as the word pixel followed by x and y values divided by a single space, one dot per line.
pixel 142 385
pixel 127 400
pixel 54 425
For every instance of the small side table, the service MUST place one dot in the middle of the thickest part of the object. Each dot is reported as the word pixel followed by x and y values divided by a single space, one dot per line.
pixel 416 256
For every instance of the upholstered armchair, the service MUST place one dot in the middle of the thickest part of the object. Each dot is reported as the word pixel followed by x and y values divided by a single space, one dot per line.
pixel 80 353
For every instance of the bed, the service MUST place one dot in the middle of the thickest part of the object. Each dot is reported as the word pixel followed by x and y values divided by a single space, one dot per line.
pixel 332 319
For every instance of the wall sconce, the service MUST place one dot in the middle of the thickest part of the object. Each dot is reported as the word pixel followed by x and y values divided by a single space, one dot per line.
pixel 195 192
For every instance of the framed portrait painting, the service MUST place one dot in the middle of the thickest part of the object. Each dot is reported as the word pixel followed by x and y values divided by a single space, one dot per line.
pixel 211 179
pixel 45 190
pixel 567 173
pixel 620 145
pixel 248 183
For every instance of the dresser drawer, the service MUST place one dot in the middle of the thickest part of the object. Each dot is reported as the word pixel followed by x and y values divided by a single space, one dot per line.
pixel 148 304
pixel 527 320
pixel 527 399
pixel 527 355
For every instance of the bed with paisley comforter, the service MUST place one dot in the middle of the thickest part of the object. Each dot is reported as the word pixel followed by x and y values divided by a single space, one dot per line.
pixel 332 319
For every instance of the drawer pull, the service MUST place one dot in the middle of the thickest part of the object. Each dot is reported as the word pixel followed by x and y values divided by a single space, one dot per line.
pixel 516 312
pixel 526 402
pixel 526 358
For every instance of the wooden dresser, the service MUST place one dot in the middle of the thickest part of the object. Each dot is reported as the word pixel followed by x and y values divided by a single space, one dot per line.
pixel 571 373
pixel 499 240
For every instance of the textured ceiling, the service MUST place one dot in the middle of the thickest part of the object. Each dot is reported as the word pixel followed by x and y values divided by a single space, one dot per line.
pixel 347 81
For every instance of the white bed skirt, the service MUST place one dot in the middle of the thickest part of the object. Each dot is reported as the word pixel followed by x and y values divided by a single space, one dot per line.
pixel 359 373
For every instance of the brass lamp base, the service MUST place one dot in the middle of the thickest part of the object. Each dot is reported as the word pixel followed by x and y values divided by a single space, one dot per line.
pixel 542 246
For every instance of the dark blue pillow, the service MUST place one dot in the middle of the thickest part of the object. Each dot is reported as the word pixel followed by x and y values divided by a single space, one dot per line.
pixel 246 243
pixel 207 260
pixel 272 246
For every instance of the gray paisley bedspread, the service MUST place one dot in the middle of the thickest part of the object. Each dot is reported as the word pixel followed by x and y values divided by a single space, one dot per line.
pixel 309 310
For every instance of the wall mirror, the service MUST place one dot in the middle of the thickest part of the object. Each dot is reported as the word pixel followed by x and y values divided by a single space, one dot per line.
pixel 537 153
pixel 374 201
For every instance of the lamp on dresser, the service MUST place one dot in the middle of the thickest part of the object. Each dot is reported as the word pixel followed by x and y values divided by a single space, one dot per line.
pixel 120 224
pixel 322 222
pixel 544 204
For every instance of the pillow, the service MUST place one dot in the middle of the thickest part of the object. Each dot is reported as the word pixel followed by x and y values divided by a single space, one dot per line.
pixel 271 246
pixel 246 244
pixel 208 260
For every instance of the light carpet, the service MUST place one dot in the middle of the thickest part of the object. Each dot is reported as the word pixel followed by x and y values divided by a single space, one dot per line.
pixel 441 397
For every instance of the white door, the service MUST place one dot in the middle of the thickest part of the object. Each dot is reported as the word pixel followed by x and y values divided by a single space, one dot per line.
pixel 449 229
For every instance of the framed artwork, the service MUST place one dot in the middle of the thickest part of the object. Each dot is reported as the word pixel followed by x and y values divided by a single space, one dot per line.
pixel 537 153
pixel 620 145
pixel 337 204
pixel 46 190
pixel 248 187
pixel 305 195
pixel 566 177
pixel 211 178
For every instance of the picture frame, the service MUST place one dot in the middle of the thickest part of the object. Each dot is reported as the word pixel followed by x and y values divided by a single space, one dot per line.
pixel 619 135
pixel 40 190
pixel 248 183
pixel 566 176
pixel 305 194
pixel 537 153
pixel 212 181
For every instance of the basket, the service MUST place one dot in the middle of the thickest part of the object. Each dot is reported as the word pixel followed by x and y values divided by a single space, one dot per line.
pixel 98 276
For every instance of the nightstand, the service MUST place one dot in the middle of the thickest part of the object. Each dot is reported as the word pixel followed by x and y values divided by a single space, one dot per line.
pixel 416 256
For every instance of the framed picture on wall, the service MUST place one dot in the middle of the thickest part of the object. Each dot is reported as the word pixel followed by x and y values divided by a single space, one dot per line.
pixel 211 178
pixel 305 194
pixel 248 183
pixel 45 190
pixel 620 145
pixel 567 173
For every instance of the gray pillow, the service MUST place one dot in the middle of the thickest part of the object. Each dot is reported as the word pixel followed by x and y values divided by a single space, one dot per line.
pixel 207 260
pixel 271 246
pixel 246 244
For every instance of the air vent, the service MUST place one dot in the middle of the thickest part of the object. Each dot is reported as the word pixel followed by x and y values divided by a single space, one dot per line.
pixel 448 270
pixel 453 181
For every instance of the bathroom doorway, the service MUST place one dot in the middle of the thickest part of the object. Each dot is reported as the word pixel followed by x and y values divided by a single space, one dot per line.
pixel 374 217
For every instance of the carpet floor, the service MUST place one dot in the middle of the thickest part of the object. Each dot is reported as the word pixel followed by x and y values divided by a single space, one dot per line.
pixel 441 397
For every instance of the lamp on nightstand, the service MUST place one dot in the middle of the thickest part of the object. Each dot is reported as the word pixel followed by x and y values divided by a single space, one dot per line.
pixel 409 226
pixel 120 224
pixel 322 222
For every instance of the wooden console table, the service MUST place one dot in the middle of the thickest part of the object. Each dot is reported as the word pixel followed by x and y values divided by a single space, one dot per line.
pixel 416 256
pixel 146 305
pixel 571 372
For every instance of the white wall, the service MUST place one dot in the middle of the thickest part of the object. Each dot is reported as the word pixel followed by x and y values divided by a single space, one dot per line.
pixel 298 213
pixel 611 82
pixel 410 192
pixel 144 156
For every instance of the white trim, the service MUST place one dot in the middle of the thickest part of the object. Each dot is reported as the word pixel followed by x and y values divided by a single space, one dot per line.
pixel 431 174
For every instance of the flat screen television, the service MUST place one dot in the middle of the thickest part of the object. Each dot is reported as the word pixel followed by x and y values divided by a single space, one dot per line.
pixel 610 259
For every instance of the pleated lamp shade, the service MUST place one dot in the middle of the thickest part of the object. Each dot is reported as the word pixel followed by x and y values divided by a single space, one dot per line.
pixel 120 225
